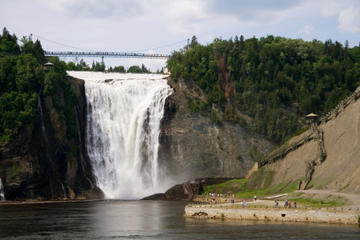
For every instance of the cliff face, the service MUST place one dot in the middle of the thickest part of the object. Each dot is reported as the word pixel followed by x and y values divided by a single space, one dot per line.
pixel 324 157
pixel 43 162
pixel 192 146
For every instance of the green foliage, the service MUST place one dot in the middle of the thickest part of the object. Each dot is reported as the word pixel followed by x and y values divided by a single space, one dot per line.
pixel 56 79
pixel 255 154
pixel 137 69
pixel 81 66
pixel 196 105
pixel 274 80
pixel 98 67
pixel 35 49
pixel 8 44
pixel 22 80
pixel 119 69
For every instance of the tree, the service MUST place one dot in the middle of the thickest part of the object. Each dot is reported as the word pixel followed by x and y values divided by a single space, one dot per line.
pixel 193 42
pixel 8 43
pixel 119 69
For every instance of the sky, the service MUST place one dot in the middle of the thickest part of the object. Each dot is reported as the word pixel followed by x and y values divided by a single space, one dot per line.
pixel 162 26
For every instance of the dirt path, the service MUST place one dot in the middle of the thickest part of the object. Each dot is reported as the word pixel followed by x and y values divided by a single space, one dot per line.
pixel 354 199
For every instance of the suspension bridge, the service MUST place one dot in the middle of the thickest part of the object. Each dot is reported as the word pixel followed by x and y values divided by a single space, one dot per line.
pixel 105 54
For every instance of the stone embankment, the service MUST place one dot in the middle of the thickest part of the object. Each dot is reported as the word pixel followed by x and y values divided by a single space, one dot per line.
pixel 266 213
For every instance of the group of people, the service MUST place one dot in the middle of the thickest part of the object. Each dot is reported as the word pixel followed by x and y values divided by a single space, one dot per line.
pixel 287 204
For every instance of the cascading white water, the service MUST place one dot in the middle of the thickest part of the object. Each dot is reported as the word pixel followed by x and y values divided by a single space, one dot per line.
pixel 123 127
pixel 2 194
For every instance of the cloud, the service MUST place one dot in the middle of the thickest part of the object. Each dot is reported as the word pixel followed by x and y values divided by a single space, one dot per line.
pixel 349 20
pixel 194 16
pixel 330 9
pixel 94 8
pixel 251 11
pixel 184 16
pixel 307 30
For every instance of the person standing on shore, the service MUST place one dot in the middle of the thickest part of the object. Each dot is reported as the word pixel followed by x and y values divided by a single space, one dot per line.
pixel 255 198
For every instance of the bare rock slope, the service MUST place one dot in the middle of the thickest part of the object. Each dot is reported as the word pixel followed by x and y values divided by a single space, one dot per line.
pixel 327 156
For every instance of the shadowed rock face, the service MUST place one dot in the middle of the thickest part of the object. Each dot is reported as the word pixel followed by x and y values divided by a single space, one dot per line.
pixel 42 162
pixel 192 146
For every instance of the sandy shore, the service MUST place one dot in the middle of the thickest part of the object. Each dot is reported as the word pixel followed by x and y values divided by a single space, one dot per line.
pixel 266 213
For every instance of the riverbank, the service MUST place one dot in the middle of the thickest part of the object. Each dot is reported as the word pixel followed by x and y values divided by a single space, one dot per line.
pixel 265 211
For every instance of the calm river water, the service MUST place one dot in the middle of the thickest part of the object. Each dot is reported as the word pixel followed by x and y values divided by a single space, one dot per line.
pixel 144 220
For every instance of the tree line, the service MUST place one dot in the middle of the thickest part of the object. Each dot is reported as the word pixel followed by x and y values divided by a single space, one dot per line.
pixel 23 80
pixel 274 80
pixel 100 67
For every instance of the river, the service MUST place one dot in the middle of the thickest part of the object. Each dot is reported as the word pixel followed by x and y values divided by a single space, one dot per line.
pixel 145 220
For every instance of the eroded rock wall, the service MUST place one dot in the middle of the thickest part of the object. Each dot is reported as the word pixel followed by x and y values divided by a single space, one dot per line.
pixel 192 146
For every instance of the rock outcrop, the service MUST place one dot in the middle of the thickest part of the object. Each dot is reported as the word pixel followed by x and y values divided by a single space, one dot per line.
pixel 43 161
pixel 193 146
pixel 186 191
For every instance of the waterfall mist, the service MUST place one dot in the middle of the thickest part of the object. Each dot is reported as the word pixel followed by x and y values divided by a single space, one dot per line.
pixel 2 194
pixel 124 113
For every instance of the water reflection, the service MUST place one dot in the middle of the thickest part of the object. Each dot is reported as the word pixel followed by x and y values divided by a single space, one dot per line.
pixel 145 220
pixel 127 218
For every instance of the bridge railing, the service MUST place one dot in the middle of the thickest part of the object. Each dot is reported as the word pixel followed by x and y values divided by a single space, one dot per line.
pixel 105 54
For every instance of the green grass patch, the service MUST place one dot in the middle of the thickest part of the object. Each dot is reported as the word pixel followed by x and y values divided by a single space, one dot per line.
pixel 240 189
pixel 318 203
pixel 277 189
pixel 231 186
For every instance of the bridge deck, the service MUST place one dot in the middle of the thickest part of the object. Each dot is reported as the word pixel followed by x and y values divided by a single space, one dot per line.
pixel 105 54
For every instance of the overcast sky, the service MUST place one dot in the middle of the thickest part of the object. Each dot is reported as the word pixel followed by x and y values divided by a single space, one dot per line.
pixel 164 25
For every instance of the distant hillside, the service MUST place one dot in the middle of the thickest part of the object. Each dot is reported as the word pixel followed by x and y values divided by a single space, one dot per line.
pixel 267 84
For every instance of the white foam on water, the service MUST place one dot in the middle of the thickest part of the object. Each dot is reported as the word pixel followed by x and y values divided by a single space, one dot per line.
pixel 2 194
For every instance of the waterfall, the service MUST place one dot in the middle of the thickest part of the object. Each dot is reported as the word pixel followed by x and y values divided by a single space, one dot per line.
pixel 2 194
pixel 124 112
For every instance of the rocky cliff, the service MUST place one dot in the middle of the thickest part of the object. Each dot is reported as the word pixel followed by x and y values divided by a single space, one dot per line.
pixel 327 156
pixel 193 146
pixel 44 161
